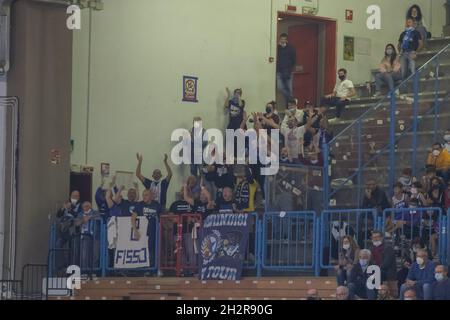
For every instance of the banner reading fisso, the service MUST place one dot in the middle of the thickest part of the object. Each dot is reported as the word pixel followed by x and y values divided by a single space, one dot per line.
pixel 223 246
pixel 130 252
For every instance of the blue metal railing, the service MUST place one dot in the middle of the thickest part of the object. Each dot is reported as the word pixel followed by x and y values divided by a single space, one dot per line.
pixel 305 241
pixel 288 240
pixel 334 224
pixel 407 224
pixel 356 130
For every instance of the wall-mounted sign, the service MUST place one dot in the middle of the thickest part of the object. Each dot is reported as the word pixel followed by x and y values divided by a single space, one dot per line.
pixel 349 15
pixel 349 48
pixel 190 86
pixel 55 157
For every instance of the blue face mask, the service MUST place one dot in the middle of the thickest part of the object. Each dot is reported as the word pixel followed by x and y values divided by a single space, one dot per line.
pixel 409 28
pixel 363 262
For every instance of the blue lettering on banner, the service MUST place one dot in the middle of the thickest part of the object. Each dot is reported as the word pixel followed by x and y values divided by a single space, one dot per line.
pixel 132 256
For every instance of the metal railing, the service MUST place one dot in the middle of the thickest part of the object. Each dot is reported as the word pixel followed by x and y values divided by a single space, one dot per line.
pixel 288 240
pixel 357 152
pixel 409 224
pixel 335 224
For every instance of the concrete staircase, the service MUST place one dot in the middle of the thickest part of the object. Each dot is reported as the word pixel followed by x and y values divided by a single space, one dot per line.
pixel 286 288
pixel 376 126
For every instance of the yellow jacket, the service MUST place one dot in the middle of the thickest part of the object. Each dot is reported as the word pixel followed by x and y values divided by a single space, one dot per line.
pixel 441 162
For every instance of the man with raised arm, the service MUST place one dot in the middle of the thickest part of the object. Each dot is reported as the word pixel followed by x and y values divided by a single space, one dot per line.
pixel 157 185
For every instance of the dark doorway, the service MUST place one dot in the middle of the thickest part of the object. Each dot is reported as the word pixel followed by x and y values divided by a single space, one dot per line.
pixel 82 181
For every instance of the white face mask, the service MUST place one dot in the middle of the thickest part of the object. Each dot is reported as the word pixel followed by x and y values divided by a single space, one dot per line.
pixel 74 201
pixel 377 243
pixel 314 161
pixel 363 262
pixel 414 191
pixel 439 277
pixel 410 299
pixel 447 138
pixel 436 153
pixel 420 261
pixel 346 246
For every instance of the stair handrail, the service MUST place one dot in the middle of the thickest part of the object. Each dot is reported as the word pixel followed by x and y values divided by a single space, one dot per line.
pixel 378 104
pixel 358 121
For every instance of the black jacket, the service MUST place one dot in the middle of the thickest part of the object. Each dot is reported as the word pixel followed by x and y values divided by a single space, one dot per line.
pixel 389 264
pixel 286 60
pixel 378 200
pixel 441 290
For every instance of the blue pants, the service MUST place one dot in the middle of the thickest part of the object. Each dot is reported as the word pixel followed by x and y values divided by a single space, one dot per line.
pixel 361 291
pixel 284 84
pixel 335 102
pixel 407 64
pixel 388 78
pixel 422 292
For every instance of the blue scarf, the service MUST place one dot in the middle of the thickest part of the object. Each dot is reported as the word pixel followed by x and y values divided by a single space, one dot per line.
pixel 407 38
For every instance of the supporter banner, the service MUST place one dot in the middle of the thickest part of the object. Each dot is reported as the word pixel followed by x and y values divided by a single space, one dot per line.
pixel 223 246
pixel 130 252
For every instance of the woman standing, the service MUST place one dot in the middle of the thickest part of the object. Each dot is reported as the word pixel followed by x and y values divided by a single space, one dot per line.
pixel 415 13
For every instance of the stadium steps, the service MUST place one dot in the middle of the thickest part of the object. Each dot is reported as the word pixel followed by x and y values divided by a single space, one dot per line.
pixel 269 288
pixel 376 129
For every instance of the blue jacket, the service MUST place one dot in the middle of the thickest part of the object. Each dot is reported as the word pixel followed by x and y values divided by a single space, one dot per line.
pixel 422 276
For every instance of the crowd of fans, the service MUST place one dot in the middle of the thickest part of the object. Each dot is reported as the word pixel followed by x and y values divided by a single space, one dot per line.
pixel 224 188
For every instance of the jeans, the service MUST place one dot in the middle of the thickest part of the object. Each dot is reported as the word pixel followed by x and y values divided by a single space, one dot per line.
pixel 361 291
pixel 335 102
pixel 407 64
pixel 423 292
pixel 342 275
pixel 388 78
pixel 284 84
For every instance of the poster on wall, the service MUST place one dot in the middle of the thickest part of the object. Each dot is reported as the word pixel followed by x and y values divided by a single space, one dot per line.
pixel 55 157
pixel 349 48
pixel 223 246
pixel 190 87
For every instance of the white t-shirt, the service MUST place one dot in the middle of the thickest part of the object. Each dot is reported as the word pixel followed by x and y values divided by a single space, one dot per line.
pixel 298 115
pixel 293 137
pixel 342 88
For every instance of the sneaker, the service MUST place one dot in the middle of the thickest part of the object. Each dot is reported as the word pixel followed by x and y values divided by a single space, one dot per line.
pixel 333 120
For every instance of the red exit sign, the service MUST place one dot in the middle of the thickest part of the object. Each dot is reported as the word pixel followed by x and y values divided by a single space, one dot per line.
pixel 291 8
pixel 349 15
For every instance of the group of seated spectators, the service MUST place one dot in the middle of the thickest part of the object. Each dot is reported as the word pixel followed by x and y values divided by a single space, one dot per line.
pixel 418 278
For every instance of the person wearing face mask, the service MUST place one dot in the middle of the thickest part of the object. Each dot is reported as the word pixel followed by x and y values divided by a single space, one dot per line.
pixel 383 255
pixel 389 71
pixel 440 158
pixel 343 91
pixel 348 257
pixel 357 283
pixel 72 207
pixel 286 62
pixel 420 277
pixel 293 137
pixel 409 43
pixel 313 295
pixel 157 185
pixel 407 180
pixel 447 140
pixel 270 120
pixel 235 107
pixel 441 288
pixel 292 111
pixel 89 236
